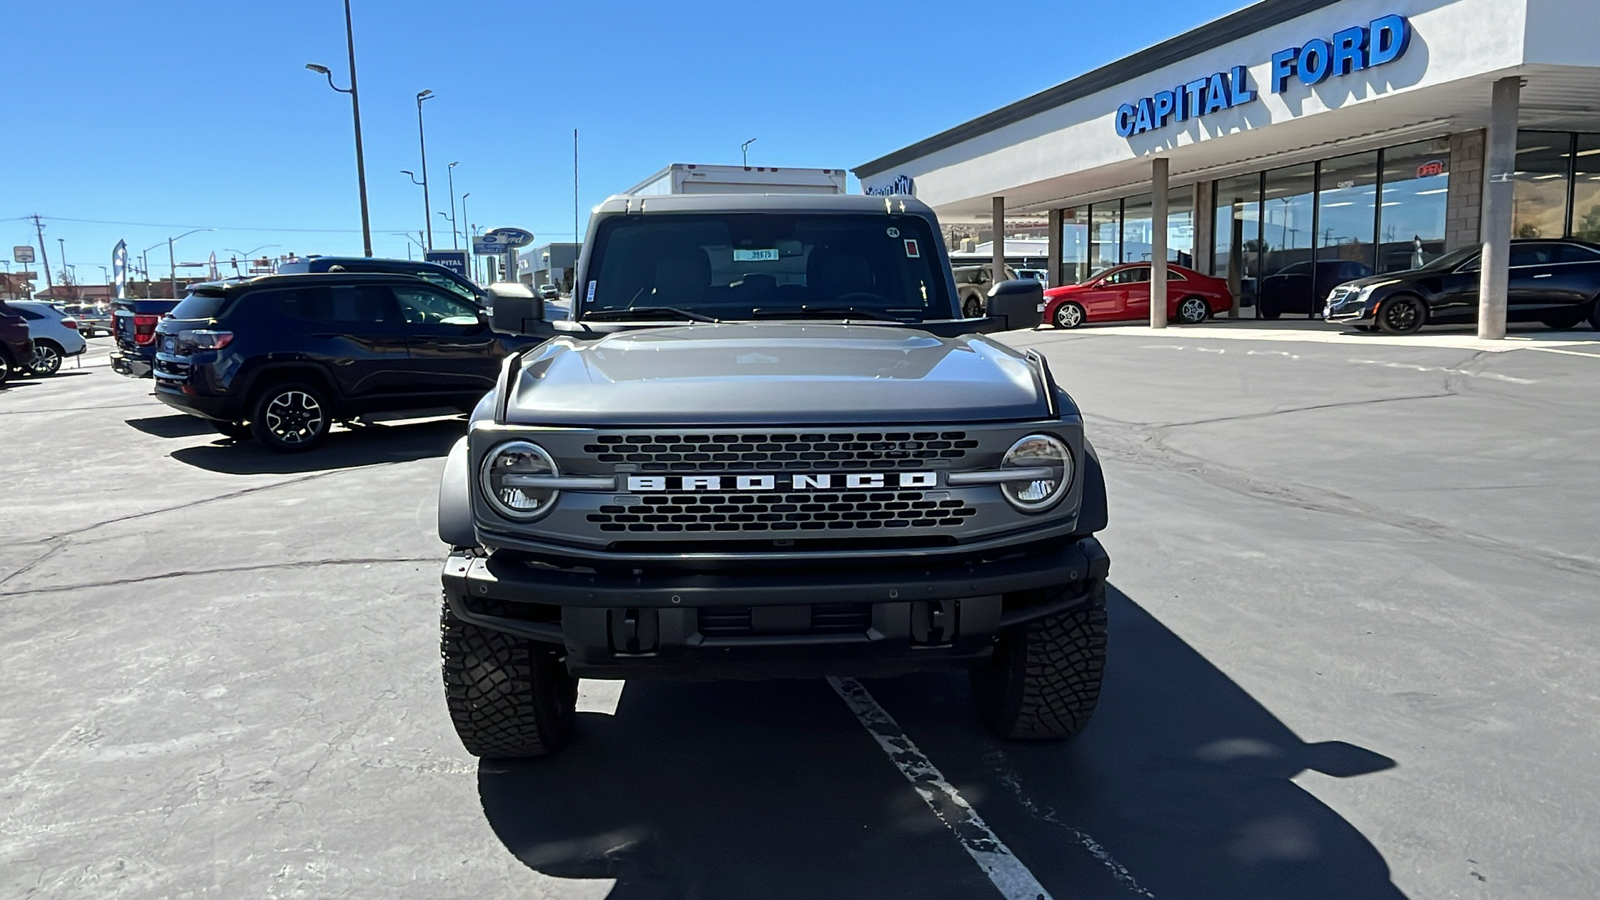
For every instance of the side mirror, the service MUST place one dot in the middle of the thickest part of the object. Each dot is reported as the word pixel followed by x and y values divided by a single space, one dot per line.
pixel 1018 303
pixel 517 309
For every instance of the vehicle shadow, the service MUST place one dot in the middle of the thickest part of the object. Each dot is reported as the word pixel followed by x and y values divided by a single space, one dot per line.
pixel 364 445
pixel 174 426
pixel 1179 788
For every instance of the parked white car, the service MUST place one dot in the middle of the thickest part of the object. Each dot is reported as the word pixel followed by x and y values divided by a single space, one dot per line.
pixel 55 335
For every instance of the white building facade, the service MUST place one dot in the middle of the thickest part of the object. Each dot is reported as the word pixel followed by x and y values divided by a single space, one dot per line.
pixel 1351 134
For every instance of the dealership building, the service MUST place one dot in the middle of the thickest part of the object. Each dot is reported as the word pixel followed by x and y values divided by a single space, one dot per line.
pixel 1296 136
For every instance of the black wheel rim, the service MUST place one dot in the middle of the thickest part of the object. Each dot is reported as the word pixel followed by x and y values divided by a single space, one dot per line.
pixel 1402 315
pixel 294 417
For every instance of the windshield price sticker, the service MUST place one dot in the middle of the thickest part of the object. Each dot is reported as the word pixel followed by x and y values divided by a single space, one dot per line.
pixel 755 255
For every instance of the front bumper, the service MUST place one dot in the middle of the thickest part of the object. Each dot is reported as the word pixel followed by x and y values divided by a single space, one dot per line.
pixel 812 620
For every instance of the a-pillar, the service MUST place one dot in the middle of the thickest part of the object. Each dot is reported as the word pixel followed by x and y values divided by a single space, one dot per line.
pixel 1159 172
pixel 1498 195
pixel 998 256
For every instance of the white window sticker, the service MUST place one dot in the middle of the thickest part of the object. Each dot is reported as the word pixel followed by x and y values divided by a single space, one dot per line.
pixel 911 249
pixel 894 232
pixel 755 255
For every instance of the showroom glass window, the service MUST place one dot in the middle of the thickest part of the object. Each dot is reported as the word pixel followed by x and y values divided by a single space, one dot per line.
pixel 1136 228
pixel 1105 235
pixel 1416 185
pixel 1180 225
pixel 1288 213
pixel 1075 259
pixel 1540 205
pixel 1347 221
pixel 1236 253
pixel 1586 189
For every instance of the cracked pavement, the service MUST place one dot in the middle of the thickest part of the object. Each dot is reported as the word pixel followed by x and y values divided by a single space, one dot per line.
pixel 1353 654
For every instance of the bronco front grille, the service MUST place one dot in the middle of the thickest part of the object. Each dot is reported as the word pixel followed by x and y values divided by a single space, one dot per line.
pixel 856 510
pixel 794 451
pixel 824 618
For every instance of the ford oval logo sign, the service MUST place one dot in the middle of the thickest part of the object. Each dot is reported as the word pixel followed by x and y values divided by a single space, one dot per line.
pixel 512 237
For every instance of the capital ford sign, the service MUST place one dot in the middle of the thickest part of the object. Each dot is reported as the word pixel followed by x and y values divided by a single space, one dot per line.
pixel 1349 51
pixel 864 481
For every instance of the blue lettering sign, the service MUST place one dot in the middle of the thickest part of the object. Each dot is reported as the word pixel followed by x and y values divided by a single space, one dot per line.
pixel 902 184
pixel 1351 50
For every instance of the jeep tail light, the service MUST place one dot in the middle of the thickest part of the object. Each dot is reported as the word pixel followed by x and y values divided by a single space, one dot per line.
pixel 144 329
pixel 205 338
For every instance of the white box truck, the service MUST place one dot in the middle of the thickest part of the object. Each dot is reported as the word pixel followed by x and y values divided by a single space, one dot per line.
pixel 687 178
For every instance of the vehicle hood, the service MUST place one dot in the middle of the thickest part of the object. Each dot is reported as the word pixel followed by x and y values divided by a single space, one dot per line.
pixel 780 373
pixel 1064 289
pixel 1387 278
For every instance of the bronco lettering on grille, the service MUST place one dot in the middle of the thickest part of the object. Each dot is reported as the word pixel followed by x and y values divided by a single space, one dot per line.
pixel 821 481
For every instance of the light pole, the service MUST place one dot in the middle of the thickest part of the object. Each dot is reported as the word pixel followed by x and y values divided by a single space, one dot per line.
pixel 450 176
pixel 144 265
pixel 422 141
pixel 62 242
pixel 744 149
pixel 246 254
pixel 355 109
pixel 467 230
pixel 172 259
pixel 441 215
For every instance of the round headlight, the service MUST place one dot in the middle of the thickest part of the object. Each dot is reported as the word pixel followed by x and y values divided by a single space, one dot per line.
pixel 1049 464
pixel 502 469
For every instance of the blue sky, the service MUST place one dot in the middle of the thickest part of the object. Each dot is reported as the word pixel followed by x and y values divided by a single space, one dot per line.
pixel 174 114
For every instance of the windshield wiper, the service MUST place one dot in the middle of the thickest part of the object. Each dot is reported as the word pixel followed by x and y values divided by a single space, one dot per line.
pixel 646 312
pixel 848 312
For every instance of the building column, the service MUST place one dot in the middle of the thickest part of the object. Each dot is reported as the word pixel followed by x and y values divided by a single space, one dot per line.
pixel 1205 219
pixel 997 255
pixel 1159 169
pixel 1052 266
pixel 1500 160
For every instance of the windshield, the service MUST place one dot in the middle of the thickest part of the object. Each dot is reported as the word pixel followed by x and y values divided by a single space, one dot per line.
pixel 1450 260
pixel 762 265
pixel 198 306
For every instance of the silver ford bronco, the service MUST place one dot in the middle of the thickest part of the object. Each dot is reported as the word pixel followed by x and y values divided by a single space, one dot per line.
pixel 767 444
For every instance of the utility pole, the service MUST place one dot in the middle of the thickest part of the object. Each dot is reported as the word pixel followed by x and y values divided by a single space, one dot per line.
pixel 450 174
pixel 39 227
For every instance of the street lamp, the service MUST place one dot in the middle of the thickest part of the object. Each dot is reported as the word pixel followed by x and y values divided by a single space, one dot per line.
pixel 466 229
pixel 249 253
pixel 450 175
pixel 744 148
pixel 422 141
pixel 441 215
pixel 172 260
pixel 355 109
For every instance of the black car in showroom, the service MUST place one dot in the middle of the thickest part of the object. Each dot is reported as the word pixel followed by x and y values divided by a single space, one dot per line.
pixel 1556 282
pixel 1301 288
pixel 282 357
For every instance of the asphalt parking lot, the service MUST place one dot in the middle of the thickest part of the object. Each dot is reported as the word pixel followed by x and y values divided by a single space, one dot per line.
pixel 1354 647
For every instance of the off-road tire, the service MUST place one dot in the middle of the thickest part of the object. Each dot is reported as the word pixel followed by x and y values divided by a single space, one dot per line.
pixel 265 418
pixel 239 431
pixel 508 697
pixel 1043 681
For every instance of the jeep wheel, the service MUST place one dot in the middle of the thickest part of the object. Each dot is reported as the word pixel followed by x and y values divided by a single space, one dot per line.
pixel 290 417
pixel 1044 679
pixel 46 359
pixel 508 697
pixel 1069 315
pixel 239 431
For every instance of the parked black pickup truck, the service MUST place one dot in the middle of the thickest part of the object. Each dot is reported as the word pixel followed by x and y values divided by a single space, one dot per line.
pixel 133 326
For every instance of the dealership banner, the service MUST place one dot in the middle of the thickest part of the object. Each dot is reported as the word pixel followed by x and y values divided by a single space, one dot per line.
pixel 119 269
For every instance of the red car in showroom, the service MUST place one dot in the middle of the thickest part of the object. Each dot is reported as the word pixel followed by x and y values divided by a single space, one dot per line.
pixel 1122 293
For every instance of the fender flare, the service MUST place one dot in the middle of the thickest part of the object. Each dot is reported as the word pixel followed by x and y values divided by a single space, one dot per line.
pixel 455 499
pixel 1093 514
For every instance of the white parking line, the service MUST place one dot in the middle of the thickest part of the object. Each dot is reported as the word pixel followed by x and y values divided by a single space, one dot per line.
pixel 996 860
pixel 1493 376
